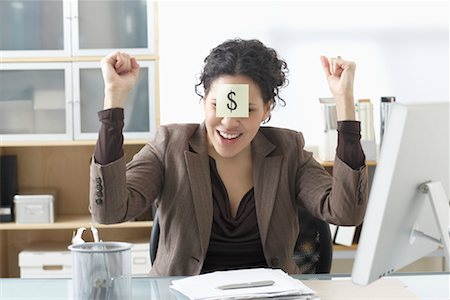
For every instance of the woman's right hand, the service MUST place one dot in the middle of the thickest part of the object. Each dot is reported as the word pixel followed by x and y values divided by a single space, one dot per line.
pixel 120 74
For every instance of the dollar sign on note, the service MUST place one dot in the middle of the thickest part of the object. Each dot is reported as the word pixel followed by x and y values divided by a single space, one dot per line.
pixel 232 105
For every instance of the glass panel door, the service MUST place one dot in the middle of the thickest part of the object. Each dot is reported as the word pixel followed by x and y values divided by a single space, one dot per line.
pixel 100 26
pixel 35 101
pixel 34 28
pixel 140 105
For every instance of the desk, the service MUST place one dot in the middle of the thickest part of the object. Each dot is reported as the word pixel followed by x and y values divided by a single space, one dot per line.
pixel 424 285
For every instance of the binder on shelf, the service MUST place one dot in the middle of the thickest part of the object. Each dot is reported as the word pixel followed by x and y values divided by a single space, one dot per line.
pixel 327 149
pixel 8 186
pixel 364 113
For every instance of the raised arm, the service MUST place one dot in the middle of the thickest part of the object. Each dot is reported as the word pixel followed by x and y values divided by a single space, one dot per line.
pixel 114 197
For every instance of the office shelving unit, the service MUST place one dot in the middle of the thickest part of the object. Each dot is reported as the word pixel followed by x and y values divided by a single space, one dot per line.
pixel 75 42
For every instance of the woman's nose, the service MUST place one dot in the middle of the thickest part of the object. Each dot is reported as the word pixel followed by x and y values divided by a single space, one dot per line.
pixel 230 122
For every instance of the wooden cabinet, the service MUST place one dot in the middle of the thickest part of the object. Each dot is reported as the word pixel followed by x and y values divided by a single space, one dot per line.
pixel 50 53
pixel 65 168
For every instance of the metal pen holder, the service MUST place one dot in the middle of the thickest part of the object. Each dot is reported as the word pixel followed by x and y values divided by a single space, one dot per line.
pixel 101 270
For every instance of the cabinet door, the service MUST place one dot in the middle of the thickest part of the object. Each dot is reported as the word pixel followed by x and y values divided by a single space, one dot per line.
pixel 140 105
pixel 35 101
pixel 100 27
pixel 34 28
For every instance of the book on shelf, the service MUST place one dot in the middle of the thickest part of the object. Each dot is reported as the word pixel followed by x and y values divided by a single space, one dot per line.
pixel 364 114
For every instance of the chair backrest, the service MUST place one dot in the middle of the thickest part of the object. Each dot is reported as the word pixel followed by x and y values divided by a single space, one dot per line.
pixel 154 237
pixel 313 252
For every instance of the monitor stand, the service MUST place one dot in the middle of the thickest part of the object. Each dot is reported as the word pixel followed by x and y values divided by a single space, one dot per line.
pixel 441 211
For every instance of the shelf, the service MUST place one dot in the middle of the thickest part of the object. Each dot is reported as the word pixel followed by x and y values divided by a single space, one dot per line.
pixel 73 222
pixel 63 143
pixel 337 247
pixel 330 163
pixel 67 59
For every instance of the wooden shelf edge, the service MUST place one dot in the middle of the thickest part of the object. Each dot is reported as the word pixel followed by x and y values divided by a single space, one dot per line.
pixel 330 163
pixel 337 247
pixel 72 222
pixel 51 59
pixel 64 143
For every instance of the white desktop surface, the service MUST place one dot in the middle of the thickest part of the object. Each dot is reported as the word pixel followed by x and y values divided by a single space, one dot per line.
pixel 424 285
pixel 439 288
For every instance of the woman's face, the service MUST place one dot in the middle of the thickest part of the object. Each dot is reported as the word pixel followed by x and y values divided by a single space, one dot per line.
pixel 227 136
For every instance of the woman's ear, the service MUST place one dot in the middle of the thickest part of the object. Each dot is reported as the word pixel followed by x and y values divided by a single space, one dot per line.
pixel 267 111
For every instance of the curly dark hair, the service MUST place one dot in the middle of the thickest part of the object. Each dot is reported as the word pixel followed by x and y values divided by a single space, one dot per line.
pixel 250 58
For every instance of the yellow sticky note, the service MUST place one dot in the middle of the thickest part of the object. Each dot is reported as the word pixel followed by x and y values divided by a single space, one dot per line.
pixel 232 100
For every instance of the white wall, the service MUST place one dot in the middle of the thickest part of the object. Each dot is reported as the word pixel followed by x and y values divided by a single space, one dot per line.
pixel 401 49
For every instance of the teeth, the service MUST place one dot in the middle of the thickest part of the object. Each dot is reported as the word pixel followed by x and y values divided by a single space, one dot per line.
pixel 228 136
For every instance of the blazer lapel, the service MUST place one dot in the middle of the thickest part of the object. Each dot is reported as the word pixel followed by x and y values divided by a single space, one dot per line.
pixel 266 175
pixel 197 162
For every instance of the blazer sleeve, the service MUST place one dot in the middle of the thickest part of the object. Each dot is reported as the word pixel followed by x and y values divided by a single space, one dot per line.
pixel 339 199
pixel 120 192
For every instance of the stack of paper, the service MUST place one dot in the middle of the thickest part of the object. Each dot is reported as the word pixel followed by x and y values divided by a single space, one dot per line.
pixel 243 284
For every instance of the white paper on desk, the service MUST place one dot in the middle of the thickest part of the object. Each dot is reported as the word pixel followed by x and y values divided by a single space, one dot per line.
pixel 205 286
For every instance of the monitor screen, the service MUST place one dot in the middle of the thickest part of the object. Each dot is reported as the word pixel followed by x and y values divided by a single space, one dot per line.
pixel 400 225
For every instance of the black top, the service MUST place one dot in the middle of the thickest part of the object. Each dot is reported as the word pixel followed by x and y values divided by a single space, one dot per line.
pixel 235 242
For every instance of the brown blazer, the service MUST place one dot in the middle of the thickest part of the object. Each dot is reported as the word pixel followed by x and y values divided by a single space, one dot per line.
pixel 173 169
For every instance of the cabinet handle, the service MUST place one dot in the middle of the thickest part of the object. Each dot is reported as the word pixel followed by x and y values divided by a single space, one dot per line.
pixel 52 268
pixel 140 260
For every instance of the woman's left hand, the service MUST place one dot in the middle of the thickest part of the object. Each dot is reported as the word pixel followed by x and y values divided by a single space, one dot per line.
pixel 340 74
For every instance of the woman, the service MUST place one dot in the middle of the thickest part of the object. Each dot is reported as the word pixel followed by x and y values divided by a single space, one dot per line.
pixel 227 190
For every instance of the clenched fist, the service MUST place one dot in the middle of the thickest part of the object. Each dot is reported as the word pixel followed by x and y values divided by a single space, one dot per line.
pixel 120 74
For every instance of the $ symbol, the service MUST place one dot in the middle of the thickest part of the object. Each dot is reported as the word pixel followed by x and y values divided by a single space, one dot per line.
pixel 232 105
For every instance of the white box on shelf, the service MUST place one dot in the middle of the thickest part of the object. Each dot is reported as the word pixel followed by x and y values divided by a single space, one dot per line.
pixel 49 99
pixel 45 260
pixel 345 235
pixel 32 209
pixel 140 257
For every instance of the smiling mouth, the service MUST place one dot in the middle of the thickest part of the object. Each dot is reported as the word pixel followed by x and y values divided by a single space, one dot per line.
pixel 229 136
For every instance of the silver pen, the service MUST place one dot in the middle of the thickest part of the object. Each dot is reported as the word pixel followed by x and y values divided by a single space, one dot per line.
pixel 244 285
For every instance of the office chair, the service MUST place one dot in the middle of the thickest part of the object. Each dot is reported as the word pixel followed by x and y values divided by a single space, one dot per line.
pixel 313 251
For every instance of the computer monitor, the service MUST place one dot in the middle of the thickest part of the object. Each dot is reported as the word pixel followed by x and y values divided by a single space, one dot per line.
pixel 408 211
